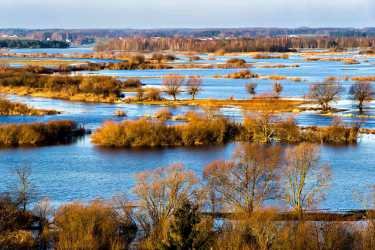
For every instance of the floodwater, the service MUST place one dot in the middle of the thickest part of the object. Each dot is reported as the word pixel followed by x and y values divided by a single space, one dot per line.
pixel 82 171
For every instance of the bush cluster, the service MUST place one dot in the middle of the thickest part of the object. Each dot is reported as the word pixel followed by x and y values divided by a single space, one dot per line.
pixel 206 130
pixel 151 133
pixel 38 134
pixel 98 85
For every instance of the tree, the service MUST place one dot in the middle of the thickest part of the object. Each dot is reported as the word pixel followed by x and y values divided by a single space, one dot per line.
pixel 160 193
pixel 24 190
pixel 188 229
pixel 172 85
pixel 325 93
pixel 43 212
pixel 248 180
pixel 362 92
pixel 277 89
pixel 306 179
pixel 140 94
pixel 251 89
pixel 193 85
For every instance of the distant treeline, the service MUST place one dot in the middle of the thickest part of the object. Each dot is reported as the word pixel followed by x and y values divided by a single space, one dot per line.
pixel 271 44
pixel 32 44
pixel 86 36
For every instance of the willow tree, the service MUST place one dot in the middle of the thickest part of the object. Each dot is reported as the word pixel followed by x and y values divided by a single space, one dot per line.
pixel 194 85
pixel 172 85
pixel 249 179
pixel 305 178
pixel 362 92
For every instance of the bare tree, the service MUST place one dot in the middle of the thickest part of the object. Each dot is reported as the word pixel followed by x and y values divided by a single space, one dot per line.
pixel 160 192
pixel 43 212
pixel 325 93
pixel 251 89
pixel 306 179
pixel 193 85
pixel 248 180
pixel 277 89
pixel 173 84
pixel 24 190
pixel 362 92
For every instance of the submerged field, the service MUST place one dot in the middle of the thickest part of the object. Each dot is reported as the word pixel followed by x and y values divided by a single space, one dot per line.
pixel 74 171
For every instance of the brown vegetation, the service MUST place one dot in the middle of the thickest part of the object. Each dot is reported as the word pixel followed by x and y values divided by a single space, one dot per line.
pixel 149 133
pixel 364 78
pixel 174 209
pixel 14 108
pixel 244 74
pixel 270 56
pixel 212 130
pixel 85 88
pixel 38 134
pixel 94 226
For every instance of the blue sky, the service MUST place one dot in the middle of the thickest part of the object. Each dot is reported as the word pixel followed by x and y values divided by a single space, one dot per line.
pixel 186 13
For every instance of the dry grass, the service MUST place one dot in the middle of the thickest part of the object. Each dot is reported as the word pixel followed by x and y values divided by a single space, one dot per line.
pixel 257 104
pixel 333 59
pixel 322 53
pixel 275 77
pixel 244 74
pixel 270 66
pixel 271 56
pixel 81 97
pixel 35 62
pixel 363 78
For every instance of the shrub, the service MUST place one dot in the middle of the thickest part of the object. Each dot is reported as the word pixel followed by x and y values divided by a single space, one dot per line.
pixel 150 133
pixel 153 94
pixel 14 225
pixel 140 133
pixel 163 114
pixel 287 131
pixel 132 83
pixel 235 63
pixel 93 226
pixel 244 74
pixel 338 133
pixel 37 134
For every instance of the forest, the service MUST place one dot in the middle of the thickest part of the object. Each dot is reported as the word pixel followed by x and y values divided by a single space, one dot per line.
pixel 269 44
pixel 32 44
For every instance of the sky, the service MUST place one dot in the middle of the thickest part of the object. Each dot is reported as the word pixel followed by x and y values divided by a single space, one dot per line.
pixel 185 13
